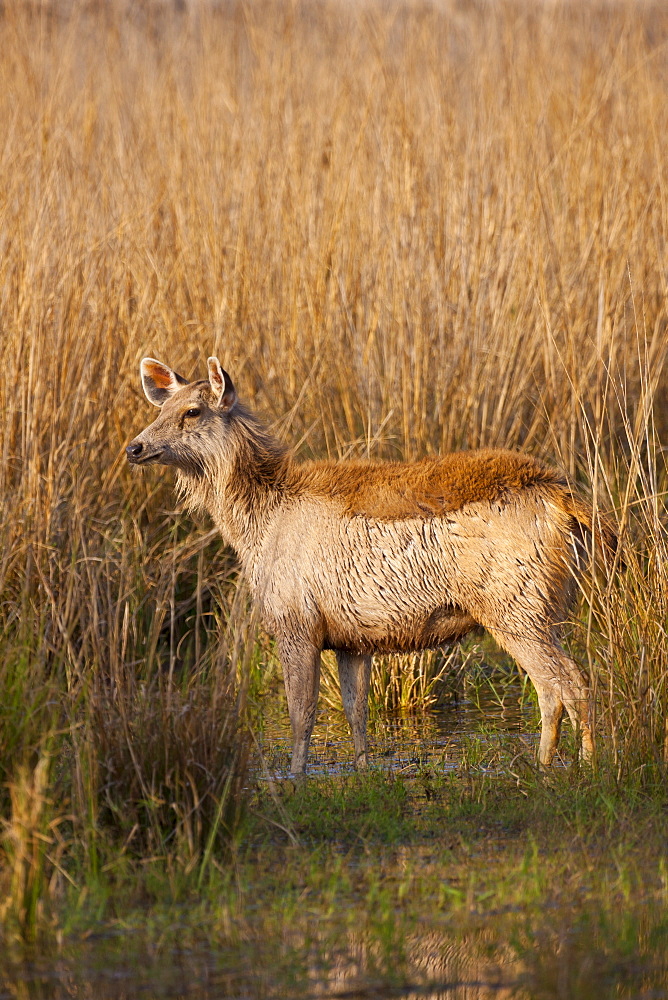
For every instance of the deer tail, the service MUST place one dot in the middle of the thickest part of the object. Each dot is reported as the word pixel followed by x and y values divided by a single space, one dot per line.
pixel 596 524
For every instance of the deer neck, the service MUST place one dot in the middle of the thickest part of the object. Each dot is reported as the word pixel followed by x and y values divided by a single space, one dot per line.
pixel 243 493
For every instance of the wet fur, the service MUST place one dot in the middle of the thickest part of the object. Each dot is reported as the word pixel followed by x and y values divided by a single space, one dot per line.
pixel 365 557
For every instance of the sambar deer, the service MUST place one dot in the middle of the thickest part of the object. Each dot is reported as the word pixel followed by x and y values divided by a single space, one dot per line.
pixel 369 557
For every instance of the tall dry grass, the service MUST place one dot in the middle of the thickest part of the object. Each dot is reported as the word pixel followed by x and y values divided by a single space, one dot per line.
pixel 404 229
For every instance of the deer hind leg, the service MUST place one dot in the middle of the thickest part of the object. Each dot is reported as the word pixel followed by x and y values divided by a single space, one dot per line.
pixel 551 713
pixel 559 684
pixel 354 675
pixel 301 673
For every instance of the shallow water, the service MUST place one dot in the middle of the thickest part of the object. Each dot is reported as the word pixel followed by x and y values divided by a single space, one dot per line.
pixel 436 737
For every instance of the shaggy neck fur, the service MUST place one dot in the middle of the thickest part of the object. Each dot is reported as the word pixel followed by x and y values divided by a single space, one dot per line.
pixel 240 482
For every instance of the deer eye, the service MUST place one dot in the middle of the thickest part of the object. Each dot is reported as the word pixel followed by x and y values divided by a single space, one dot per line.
pixel 194 411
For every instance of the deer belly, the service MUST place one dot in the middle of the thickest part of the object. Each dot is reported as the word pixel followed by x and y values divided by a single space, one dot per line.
pixel 391 591
pixel 398 634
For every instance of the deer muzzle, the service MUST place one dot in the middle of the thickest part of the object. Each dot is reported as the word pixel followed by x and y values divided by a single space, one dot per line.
pixel 140 454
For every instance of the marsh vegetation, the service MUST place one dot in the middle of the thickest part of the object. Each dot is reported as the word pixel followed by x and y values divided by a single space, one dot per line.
pixel 408 230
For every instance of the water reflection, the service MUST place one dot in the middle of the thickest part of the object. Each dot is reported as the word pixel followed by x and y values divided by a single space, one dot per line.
pixel 450 964
pixel 437 966
pixel 440 967
pixel 435 736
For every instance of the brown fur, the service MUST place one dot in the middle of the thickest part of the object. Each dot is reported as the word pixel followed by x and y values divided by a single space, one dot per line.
pixel 391 491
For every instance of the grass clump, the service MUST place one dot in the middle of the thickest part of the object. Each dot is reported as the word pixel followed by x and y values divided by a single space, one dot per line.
pixel 407 683
pixel 34 847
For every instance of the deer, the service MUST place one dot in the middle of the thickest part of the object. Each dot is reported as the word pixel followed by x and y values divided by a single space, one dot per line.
pixel 364 557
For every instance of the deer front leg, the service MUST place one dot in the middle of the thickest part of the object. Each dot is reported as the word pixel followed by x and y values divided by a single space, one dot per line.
pixel 354 675
pixel 301 673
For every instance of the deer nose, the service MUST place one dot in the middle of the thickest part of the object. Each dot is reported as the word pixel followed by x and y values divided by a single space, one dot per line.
pixel 134 449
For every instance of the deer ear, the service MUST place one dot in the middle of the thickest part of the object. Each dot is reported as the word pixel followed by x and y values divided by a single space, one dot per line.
pixel 159 381
pixel 221 385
